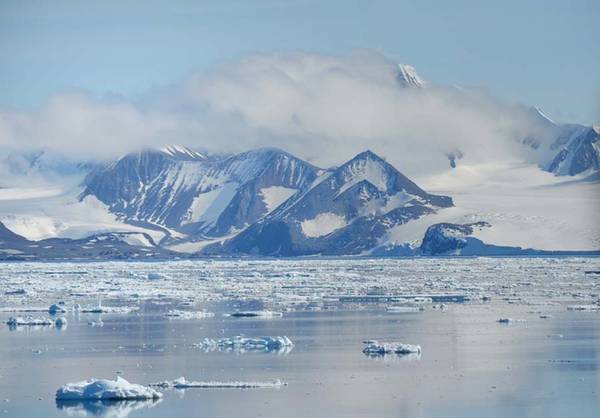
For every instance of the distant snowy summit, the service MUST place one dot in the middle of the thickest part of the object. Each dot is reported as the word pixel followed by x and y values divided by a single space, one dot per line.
pixel 574 149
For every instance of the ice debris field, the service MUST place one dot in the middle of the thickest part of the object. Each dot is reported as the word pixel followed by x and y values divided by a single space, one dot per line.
pixel 52 295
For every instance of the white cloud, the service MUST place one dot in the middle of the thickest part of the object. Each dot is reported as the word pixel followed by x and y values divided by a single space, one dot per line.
pixel 324 108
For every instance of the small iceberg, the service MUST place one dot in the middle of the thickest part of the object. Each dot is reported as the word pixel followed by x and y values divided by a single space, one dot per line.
pixel 252 314
pixel 104 389
pixel 106 309
pixel 177 314
pixel 376 348
pixel 56 309
pixel 17 321
pixel 238 343
pixel 182 383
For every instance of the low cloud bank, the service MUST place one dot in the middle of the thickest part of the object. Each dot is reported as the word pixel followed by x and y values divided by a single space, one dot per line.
pixel 322 108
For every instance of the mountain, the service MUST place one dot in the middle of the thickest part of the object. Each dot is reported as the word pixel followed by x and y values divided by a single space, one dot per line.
pixel 579 152
pixel 346 210
pixel 573 149
pixel 407 76
pixel 121 245
pixel 448 239
pixel 197 195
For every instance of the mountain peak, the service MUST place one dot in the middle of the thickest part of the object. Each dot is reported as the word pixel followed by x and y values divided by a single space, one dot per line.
pixel 367 155
pixel 537 113
pixel 181 152
pixel 408 77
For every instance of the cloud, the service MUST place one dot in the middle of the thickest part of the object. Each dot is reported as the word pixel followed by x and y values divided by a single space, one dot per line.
pixel 323 108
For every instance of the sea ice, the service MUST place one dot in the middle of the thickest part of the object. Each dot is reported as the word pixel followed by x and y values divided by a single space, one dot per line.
pixel 404 309
pixel 104 389
pixel 177 314
pixel 249 344
pixel 15 321
pixel 182 383
pixel 373 347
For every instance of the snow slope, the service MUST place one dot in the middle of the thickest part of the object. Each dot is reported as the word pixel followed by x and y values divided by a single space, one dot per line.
pixel 525 206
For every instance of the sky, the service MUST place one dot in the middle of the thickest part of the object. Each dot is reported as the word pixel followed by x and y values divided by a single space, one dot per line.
pixel 544 53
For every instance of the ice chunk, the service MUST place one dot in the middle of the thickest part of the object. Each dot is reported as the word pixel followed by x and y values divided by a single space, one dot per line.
pixel 15 321
pixel 373 347
pixel 182 383
pixel 177 314
pixel 404 309
pixel 248 344
pixel 583 308
pixel 104 389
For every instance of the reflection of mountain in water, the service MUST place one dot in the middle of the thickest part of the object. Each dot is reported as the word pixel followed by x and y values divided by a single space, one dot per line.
pixel 104 408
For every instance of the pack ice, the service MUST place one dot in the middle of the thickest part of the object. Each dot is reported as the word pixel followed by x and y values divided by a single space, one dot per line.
pixel 104 389
pixel 182 383
pixel 373 347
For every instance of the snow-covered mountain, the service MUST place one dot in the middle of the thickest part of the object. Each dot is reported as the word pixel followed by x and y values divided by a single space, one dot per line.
pixel 345 211
pixel 572 150
pixel 122 245
pixel 198 196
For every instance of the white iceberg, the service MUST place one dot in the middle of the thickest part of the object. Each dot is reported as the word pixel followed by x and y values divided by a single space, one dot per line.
pixel 104 389
pixel 105 309
pixel 248 344
pixel 182 383
pixel 373 347
pixel 15 321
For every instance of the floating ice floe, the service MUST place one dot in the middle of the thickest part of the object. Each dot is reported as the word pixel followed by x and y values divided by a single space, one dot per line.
pixel 105 309
pixel 583 308
pixel 404 309
pixel 16 321
pixel 182 383
pixel 375 348
pixel 104 389
pixel 250 314
pixel 177 314
pixel 248 344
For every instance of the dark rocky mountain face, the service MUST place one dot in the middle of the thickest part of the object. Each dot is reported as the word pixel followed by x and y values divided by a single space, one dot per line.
pixel 346 211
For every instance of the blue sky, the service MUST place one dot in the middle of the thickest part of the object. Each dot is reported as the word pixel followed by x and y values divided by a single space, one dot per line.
pixel 544 53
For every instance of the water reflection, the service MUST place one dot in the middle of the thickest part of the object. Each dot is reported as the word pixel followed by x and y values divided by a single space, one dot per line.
pixel 104 408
